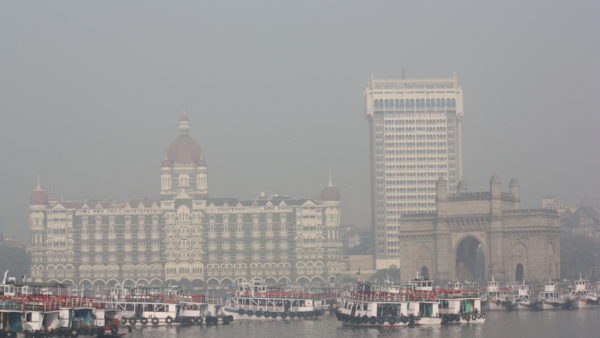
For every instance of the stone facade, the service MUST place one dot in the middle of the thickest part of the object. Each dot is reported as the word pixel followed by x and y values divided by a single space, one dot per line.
pixel 513 243
pixel 186 237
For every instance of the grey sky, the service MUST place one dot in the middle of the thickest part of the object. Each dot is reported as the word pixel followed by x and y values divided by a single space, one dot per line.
pixel 90 93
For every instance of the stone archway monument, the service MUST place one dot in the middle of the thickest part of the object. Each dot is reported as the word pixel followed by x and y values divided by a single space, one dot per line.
pixel 477 235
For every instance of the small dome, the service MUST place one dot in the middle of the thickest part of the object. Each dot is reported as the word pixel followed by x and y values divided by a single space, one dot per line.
pixel 513 182
pixel 184 117
pixel 38 197
pixel 495 179
pixel 330 193
pixel 165 163
pixel 441 182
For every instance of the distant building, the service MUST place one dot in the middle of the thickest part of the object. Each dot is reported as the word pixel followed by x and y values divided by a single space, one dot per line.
pixel 580 243
pixel 357 241
pixel 584 221
pixel 415 138
pixel 477 235
pixel 186 237
pixel 14 258
pixel 360 267
pixel 549 202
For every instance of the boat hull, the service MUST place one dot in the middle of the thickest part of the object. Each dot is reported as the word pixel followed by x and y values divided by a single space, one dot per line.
pixel 525 306
pixel 495 306
pixel 546 305
pixel 581 304
pixel 472 318
pixel 245 316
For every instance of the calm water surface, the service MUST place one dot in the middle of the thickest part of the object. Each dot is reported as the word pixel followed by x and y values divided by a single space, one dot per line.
pixel 546 324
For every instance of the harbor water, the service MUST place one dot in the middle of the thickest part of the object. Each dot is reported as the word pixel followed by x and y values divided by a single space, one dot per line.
pixel 499 324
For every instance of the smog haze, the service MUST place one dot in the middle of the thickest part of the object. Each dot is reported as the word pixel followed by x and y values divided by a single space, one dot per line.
pixel 91 93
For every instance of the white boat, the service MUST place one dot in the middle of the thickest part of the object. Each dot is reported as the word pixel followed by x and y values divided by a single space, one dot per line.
pixel 371 305
pixel 582 296
pixel 424 304
pixel 495 298
pixel 523 298
pixel 145 313
pixel 460 306
pixel 551 298
pixel 254 301
pixel 376 305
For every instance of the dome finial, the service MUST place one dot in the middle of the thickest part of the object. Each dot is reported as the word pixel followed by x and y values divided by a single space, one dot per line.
pixel 184 123
pixel 38 196
pixel 330 192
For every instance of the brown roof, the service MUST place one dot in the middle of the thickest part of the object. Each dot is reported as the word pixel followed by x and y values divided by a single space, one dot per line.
pixel 38 197
pixel 185 150
pixel 330 193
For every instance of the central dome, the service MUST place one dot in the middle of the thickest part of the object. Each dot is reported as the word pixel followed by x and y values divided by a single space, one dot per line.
pixel 184 149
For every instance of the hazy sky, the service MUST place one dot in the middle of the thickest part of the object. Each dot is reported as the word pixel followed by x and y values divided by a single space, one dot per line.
pixel 90 93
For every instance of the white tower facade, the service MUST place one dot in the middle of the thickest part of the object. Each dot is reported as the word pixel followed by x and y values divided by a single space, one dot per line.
pixel 415 138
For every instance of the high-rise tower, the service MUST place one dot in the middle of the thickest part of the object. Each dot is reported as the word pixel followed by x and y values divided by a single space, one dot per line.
pixel 415 138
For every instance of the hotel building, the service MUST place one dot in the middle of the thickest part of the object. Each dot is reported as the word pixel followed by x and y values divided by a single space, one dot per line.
pixel 185 237
pixel 415 138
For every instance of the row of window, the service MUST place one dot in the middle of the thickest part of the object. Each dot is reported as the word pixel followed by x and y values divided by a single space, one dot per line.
pixel 411 121
pixel 416 136
pixel 415 129
pixel 415 144
pixel 415 103
pixel 414 151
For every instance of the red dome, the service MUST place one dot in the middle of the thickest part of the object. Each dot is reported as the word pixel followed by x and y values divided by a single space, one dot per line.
pixel 185 150
pixel 38 197
pixel 330 193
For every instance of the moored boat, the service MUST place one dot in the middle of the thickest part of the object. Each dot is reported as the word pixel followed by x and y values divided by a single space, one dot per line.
pixel 254 301
pixel 460 306
pixel 582 296
pixel 551 298
pixel 495 298
pixel 523 299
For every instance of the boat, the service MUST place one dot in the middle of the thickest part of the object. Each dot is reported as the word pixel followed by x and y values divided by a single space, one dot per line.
pixel 582 296
pixel 423 302
pixel 523 298
pixel 460 306
pixel 372 305
pixel 495 298
pixel 385 305
pixel 254 301
pixel 551 298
